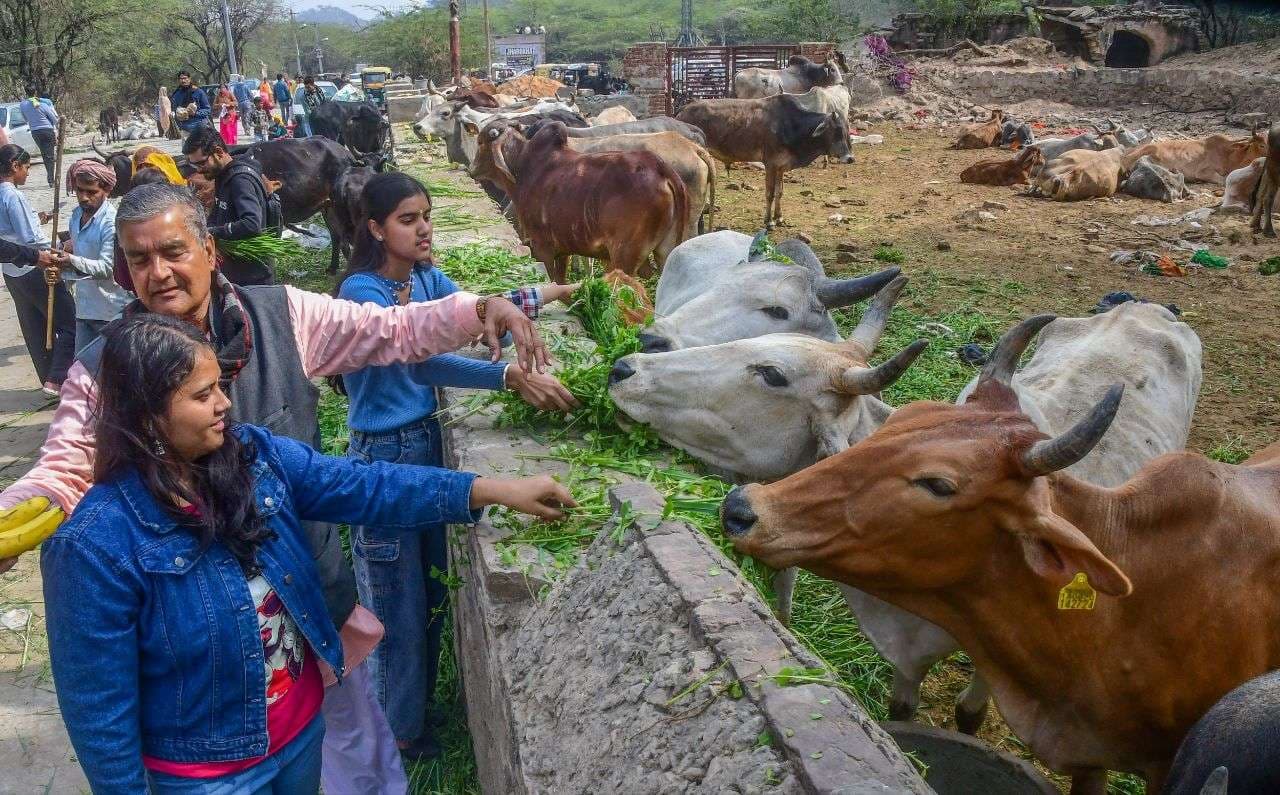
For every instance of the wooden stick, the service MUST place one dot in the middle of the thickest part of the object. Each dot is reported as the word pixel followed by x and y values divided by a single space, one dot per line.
pixel 57 190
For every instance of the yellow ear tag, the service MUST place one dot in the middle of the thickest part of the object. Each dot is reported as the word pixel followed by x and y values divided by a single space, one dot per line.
pixel 1077 594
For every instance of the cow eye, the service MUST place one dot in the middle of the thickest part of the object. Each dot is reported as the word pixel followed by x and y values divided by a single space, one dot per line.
pixel 938 487
pixel 776 312
pixel 772 375
pixel 493 135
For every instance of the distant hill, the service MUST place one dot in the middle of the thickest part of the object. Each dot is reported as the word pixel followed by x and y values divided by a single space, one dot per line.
pixel 330 15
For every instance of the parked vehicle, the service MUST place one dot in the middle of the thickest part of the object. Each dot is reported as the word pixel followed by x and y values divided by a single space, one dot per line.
pixel 15 126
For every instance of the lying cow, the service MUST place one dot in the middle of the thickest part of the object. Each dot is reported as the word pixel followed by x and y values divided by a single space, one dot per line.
pixel 653 124
pixel 1150 180
pixel 775 130
pixel 714 289
pixel 1053 148
pixel 1088 688
pixel 982 135
pixel 1208 159
pixel 616 206
pixel 1265 199
pixel 800 75
pixel 1082 174
pixel 1232 748
pixel 1241 185
pixel 1010 171
pixel 1016 134
pixel 618 114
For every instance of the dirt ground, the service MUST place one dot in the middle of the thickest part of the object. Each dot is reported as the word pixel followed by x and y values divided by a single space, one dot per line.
pixel 906 193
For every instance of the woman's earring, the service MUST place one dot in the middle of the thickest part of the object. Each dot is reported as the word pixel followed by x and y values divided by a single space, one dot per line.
pixel 157 446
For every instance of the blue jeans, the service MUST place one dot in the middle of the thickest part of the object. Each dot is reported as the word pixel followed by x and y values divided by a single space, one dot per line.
pixel 293 770
pixel 394 577
pixel 303 126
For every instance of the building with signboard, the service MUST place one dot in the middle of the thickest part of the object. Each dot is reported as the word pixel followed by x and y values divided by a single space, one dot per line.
pixel 521 50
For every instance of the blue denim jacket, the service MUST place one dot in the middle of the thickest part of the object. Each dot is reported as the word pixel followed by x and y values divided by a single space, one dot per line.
pixel 154 642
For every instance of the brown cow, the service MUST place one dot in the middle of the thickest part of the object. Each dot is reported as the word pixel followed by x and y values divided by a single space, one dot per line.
pixel 1208 159
pixel 982 135
pixel 1012 171
pixel 636 308
pixel 1082 174
pixel 1264 202
pixel 775 130
pixel 617 206
pixel 961 515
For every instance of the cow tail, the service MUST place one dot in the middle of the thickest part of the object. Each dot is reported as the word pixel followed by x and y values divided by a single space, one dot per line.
pixel 711 189
pixel 682 205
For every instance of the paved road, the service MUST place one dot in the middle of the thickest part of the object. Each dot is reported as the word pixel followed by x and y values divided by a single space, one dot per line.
pixel 35 754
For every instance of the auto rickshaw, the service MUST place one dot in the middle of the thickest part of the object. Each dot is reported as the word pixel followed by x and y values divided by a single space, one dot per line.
pixel 373 79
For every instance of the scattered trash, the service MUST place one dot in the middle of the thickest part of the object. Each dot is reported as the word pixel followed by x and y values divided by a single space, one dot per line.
pixel 972 354
pixel 1195 218
pixel 1164 266
pixel 1209 260
pixel 870 140
pixel 1269 266
pixel 314 236
pixel 16 619
pixel 835 218
pixel 1139 257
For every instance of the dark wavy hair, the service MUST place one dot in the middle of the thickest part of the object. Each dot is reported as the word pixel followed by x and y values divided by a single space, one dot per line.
pixel 9 155
pixel 381 196
pixel 146 358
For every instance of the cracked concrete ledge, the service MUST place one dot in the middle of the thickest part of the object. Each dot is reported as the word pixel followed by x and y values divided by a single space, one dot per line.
pixel 648 667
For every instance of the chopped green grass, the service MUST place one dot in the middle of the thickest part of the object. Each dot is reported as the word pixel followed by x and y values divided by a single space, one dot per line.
pixel 889 254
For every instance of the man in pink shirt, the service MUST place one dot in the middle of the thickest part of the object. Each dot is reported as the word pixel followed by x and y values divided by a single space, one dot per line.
pixel 271 341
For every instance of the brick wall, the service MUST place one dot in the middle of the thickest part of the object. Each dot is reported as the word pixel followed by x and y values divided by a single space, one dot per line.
pixel 816 51
pixel 644 66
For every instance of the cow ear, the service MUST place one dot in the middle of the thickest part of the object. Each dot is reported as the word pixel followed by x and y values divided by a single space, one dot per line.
pixel 1056 550
pixel 820 131
pixel 471 128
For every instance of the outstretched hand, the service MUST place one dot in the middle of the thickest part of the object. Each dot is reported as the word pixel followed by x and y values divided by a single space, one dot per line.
pixel 558 292
pixel 537 496
pixel 543 391
pixel 503 317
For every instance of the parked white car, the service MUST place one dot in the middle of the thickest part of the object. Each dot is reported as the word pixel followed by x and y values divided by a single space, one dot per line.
pixel 15 125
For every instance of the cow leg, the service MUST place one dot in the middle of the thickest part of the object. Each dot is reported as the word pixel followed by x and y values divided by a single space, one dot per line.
pixel 784 585
pixel 1089 782
pixel 337 240
pixel 558 265
pixel 770 176
pixel 779 179
pixel 1264 209
pixel 971 709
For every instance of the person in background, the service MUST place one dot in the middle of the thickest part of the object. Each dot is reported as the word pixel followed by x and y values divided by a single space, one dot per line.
pixel 164 115
pixel 271 343
pixel 240 203
pixel 179 708
pixel 92 247
pixel 277 129
pixel 27 285
pixel 264 93
pixel 259 120
pixel 284 97
pixel 4 137
pixel 347 91
pixel 42 121
pixel 227 116
pixel 312 98
pixel 400 571
pixel 242 89
pixel 149 157
pixel 191 106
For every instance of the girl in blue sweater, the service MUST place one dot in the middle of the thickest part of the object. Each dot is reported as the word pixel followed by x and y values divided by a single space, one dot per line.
pixel 400 574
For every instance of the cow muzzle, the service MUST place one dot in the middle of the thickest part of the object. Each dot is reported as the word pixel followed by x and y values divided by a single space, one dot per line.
pixel 848 159
pixel 653 343
pixel 621 371
pixel 736 516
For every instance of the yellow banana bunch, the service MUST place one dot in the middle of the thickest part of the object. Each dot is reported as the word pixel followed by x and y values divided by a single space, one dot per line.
pixel 26 524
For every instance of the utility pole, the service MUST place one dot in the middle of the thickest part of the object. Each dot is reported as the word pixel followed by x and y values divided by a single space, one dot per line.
pixel 231 45
pixel 488 42
pixel 297 49
pixel 319 50
pixel 455 43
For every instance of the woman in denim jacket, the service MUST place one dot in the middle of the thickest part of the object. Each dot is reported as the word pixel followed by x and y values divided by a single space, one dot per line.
pixel 400 570
pixel 186 622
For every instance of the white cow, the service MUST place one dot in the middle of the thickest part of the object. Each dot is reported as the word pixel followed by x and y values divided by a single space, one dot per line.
pixel 445 121
pixel 618 114
pixel 712 290
pixel 1142 346
pixel 826 99
pixel 800 75
pixel 1241 185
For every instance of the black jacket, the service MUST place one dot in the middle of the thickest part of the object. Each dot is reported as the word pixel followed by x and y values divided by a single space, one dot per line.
pixel 241 210
pixel 17 253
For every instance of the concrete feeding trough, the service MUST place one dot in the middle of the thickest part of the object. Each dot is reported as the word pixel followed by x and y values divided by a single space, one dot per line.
pixel 958 764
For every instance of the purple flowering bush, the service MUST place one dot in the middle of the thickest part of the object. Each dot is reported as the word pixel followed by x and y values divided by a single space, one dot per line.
pixel 900 74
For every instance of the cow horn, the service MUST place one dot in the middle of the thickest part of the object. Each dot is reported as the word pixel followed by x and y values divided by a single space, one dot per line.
pixel 799 252
pixel 500 160
pixel 870 380
pixel 94 143
pixel 873 321
pixel 1003 360
pixel 1060 452
pixel 756 251
pixel 835 293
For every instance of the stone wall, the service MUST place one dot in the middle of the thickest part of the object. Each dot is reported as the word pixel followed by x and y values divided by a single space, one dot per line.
pixel 647 668
pixel 1180 90
pixel 644 66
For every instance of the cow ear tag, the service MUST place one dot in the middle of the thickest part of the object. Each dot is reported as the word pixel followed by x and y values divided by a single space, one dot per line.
pixel 1077 594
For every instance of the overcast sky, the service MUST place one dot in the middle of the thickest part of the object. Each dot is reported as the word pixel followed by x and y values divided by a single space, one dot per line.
pixel 355 7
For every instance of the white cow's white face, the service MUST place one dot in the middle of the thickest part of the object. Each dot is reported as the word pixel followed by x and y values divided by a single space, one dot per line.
pixel 441 121
pixel 758 408
pixel 750 299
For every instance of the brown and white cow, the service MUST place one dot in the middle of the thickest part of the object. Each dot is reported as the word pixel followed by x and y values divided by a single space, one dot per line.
pixel 1208 159
pixel 962 515
pixel 1010 171
pixel 982 135
pixel 615 206
pixel 774 130
pixel 1264 203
